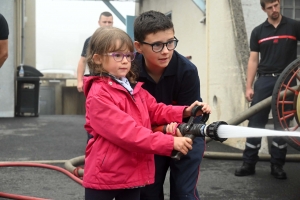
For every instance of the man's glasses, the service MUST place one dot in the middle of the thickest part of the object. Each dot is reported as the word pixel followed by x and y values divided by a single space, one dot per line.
pixel 118 56
pixel 159 46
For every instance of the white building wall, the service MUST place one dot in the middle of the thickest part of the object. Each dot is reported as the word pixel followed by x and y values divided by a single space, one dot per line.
pixel 225 86
pixel 7 71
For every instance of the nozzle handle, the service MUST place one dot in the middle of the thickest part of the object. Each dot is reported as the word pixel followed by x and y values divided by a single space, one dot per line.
pixel 177 154
pixel 205 116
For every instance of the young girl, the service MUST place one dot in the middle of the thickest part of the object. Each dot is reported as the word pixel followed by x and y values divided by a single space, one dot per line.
pixel 119 157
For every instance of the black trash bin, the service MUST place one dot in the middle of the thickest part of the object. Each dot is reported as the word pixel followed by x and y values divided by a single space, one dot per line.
pixel 28 88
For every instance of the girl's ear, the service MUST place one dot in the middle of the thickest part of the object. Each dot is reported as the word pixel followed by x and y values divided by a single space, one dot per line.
pixel 137 46
pixel 97 59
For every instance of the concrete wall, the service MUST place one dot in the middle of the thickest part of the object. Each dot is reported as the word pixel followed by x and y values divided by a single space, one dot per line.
pixel 30 34
pixel 225 81
pixel 7 72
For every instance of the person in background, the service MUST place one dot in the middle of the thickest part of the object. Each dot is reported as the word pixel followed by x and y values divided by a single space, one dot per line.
pixel 119 158
pixel 105 20
pixel 273 46
pixel 4 32
pixel 173 80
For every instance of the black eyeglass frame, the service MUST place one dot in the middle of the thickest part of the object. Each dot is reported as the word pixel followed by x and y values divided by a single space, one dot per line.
pixel 163 43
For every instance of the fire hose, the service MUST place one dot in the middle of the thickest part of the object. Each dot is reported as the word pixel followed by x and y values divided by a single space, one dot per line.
pixel 31 164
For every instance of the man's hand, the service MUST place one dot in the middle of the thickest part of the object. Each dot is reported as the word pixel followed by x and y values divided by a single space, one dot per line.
pixel 80 73
pixel 80 86
pixel 249 94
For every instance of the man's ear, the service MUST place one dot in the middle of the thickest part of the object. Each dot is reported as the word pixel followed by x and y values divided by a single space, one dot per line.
pixel 97 59
pixel 137 46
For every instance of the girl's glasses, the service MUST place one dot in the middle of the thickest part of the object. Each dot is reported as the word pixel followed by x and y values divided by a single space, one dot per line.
pixel 118 56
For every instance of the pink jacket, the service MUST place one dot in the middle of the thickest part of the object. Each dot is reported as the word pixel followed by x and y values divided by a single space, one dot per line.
pixel 121 152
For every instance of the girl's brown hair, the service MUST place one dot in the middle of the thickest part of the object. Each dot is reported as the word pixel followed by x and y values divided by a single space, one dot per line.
pixel 106 40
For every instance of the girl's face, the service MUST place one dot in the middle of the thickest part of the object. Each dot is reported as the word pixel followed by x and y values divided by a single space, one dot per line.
pixel 118 63
pixel 115 63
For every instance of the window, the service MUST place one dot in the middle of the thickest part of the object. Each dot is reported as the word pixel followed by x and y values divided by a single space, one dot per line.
pixel 291 9
pixel 201 4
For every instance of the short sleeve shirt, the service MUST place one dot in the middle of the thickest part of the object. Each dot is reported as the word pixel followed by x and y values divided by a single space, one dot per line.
pixel 85 46
pixel 4 32
pixel 277 46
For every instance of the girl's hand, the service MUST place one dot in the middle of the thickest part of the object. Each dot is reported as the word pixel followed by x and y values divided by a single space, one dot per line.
pixel 183 144
pixel 172 129
pixel 205 109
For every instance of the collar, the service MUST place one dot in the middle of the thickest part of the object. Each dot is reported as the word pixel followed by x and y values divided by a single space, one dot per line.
pixel 283 21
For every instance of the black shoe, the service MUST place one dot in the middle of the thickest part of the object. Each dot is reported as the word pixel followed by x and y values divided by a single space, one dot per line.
pixel 277 171
pixel 245 170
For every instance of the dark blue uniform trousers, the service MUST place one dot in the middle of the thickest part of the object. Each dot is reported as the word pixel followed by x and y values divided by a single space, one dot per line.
pixel 183 175
pixel 263 88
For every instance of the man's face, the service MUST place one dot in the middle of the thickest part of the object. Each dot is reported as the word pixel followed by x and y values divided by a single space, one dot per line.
pixel 153 59
pixel 273 10
pixel 105 21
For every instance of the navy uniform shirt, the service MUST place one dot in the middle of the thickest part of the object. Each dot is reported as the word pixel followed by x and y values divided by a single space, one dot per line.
pixel 4 32
pixel 178 85
pixel 277 46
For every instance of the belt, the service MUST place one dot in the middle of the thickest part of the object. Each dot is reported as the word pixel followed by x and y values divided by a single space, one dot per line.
pixel 271 74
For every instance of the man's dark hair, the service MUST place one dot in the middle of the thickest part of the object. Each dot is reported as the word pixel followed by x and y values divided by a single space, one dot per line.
pixel 263 2
pixel 106 14
pixel 150 22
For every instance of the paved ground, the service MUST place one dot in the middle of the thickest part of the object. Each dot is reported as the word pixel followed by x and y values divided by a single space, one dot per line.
pixel 58 138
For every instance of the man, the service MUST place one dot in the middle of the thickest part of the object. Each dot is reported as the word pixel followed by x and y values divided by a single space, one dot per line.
pixel 171 79
pixel 4 32
pixel 105 19
pixel 276 42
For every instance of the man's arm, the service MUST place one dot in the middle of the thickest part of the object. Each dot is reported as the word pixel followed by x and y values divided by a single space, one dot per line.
pixel 251 72
pixel 81 66
pixel 80 73
pixel 3 40
pixel 3 51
